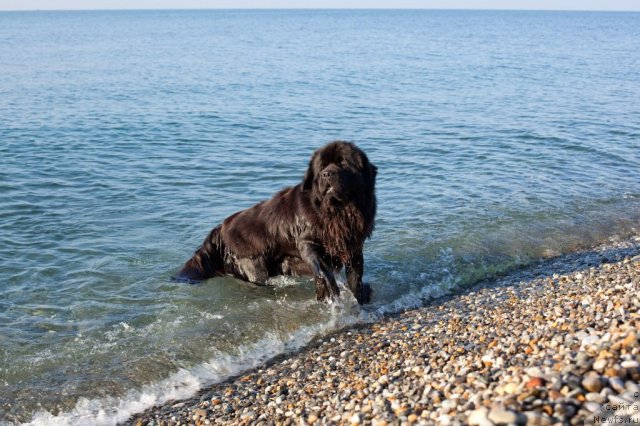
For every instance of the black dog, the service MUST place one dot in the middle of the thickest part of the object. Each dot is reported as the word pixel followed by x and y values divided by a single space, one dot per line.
pixel 314 228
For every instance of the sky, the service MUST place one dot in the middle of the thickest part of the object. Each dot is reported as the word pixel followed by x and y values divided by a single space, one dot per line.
pixel 400 4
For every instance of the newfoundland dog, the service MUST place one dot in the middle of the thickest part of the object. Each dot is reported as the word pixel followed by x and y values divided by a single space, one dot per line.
pixel 314 228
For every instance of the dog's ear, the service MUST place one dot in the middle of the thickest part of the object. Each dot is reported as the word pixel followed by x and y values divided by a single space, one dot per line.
pixel 310 174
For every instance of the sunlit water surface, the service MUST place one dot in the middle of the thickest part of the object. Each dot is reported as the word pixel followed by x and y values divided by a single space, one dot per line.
pixel 501 138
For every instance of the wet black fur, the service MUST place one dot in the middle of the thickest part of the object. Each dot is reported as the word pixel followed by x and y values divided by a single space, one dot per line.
pixel 314 228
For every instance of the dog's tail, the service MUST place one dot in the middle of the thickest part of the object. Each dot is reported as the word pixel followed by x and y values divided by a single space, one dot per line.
pixel 207 261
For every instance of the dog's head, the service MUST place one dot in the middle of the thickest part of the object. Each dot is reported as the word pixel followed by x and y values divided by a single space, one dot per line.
pixel 340 173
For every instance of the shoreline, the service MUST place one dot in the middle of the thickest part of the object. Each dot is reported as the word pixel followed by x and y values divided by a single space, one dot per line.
pixel 548 344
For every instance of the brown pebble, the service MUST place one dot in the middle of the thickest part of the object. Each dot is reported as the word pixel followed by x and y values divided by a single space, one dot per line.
pixel 535 382
pixel 615 371
pixel 630 341
pixel 592 383
pixel 200 412
pixel 554 394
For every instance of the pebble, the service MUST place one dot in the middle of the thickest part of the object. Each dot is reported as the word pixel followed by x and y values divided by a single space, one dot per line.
pixel 510 388
pixel 536 419
pixel 200 413
pixel 448 405
pixel 248 415
pixel 592 406
pixel 617 384
pixel 599 365
pixel 592 383
pixel 595 397
pixel 549 344
pixel 479 417
pixel 502 417
pixel 444 420
pixel 535 382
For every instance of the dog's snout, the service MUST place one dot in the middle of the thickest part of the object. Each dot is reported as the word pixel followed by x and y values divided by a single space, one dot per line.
pixel 327 174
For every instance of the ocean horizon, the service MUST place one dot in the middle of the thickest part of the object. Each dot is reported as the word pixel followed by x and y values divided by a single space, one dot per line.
pixel 344 9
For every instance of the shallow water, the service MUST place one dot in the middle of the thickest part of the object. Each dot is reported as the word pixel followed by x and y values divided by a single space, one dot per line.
pixel 500 138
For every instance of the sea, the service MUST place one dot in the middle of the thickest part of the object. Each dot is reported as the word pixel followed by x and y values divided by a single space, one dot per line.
pixel 501 137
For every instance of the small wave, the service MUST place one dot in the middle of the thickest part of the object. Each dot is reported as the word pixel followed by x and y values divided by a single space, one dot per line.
pixel 185 383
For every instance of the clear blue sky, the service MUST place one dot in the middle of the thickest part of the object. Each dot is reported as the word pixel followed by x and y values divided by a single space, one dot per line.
pixel 419 4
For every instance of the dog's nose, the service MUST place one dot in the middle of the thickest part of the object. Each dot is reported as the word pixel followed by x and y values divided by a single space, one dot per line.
pixel 327 174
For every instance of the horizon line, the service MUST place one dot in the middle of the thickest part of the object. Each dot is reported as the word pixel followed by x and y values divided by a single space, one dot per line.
pixel 315 8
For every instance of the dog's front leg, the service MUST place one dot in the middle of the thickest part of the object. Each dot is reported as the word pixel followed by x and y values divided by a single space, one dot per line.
pixel 326 287
pixel 354 269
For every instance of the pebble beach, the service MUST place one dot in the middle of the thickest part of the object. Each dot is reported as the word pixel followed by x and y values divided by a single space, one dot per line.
pixel 554 343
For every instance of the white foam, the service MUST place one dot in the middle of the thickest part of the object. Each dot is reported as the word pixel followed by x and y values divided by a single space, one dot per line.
pixel 283 281
pixel 185 383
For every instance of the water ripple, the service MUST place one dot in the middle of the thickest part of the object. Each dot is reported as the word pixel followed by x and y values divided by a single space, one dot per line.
pixel 500 138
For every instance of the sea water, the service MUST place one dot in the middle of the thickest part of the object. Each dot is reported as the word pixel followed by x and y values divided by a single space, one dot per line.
pixel 501 138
